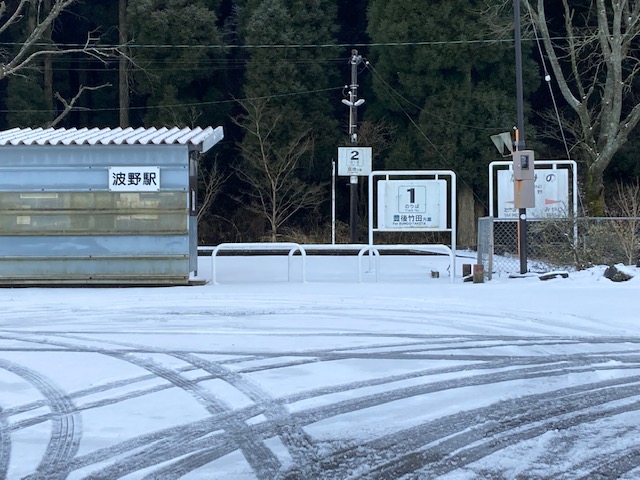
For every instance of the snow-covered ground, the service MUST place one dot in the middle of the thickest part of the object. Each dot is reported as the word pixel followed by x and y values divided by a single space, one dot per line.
pixel 257 377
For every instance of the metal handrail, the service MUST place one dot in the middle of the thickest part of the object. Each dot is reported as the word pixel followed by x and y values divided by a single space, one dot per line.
pixel 262 246
pixel 374 250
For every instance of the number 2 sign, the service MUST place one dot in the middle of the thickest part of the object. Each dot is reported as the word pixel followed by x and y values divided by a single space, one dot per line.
pixel 354 161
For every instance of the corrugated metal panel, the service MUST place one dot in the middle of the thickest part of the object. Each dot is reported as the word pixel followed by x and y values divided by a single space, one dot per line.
pixel 204 138
pixel 85 168
pixel 62 223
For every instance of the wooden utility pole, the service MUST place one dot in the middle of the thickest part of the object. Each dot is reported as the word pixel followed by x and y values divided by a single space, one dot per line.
pixel 353 104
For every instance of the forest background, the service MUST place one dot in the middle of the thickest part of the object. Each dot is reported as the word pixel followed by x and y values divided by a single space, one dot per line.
pixel 438 77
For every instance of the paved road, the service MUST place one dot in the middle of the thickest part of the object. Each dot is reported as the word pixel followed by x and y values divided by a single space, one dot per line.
pixel 394 406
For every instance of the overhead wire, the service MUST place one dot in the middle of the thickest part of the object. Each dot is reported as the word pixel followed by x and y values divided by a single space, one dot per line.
pixel 194 104
pixel 283 45
pixel 395 94
pixel 547 78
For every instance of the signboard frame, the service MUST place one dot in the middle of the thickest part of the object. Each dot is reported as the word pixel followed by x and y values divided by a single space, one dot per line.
pixel 553 164
pixel 450 207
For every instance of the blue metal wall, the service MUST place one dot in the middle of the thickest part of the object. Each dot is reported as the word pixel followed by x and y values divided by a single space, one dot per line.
pixel 60 223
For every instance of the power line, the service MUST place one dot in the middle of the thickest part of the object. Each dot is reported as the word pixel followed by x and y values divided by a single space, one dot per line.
pixel 417 127
pixel 197 65
pixel 183 105
pixel 287 45
pixel 421 109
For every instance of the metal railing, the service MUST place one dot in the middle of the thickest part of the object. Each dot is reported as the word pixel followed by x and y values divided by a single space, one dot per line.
pixel 293 248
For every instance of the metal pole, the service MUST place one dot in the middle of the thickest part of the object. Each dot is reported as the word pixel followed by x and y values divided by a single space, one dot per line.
pixel 353 140
pixel 333 202
pixel 520 138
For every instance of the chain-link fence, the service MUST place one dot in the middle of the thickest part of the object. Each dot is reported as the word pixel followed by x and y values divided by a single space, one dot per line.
pixel 559 243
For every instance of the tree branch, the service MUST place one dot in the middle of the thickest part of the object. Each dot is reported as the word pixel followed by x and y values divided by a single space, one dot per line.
pixel 26 54
pixel 68 105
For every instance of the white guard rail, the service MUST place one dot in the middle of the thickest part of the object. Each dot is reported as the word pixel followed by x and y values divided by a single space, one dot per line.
pixel 260 247
pixel 436 248
pixel 295 247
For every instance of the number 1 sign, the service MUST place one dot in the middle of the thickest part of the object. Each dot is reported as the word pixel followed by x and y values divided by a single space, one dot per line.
pixel 412 205
pixel 354 161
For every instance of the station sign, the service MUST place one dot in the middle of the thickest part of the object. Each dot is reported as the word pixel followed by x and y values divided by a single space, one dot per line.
pixel 354 161
pixel 412 205
pixel 551 192
pixel 134 179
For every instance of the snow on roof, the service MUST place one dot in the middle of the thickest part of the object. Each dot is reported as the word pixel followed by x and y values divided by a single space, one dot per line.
pixel 204 139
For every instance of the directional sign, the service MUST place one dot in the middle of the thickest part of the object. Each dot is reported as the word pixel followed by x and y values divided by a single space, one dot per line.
pixel 412 205
pixel 354 161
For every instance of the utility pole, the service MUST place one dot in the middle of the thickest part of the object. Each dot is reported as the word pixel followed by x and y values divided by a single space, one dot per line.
pixel 520 139
pixel 353 103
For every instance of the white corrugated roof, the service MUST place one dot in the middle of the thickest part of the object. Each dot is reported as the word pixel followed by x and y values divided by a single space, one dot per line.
pixel 203 138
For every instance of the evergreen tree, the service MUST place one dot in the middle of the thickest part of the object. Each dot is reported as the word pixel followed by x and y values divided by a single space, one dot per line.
pixel 292 72
pixel 181 66
pixel 298 80
pixel 456 89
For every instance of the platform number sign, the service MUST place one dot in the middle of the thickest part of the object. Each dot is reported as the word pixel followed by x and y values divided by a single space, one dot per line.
pixel 412 205
pixel 412 199
pixel 354 161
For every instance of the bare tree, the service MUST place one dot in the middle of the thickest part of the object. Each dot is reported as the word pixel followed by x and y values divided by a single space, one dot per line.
pixel 595 60
pixel 123 66
pixel 210 183
pixel 41 15
pixel 270 168
pixel 626 206
pixel 69 105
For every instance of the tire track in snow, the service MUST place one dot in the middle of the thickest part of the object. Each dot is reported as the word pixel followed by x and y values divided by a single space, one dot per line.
pixel 258 395
pixel 296 440
pixel 269 429
pixel 474 434
pixel 5 444
pixel 625 462
pixel 404 444
pixel 580 359
pixel 549 420
pixel 323 469
pixel 162 445
pixel 66 425
pixel 261 459
pixel 299 444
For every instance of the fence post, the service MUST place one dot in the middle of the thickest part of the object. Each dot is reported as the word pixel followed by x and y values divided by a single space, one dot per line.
pixel 478 273
pixel 466 269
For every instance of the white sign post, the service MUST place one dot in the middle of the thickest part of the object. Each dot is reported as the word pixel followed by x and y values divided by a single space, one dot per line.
pixel 354 161
pixel 411 204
